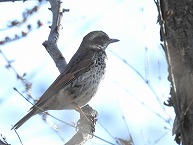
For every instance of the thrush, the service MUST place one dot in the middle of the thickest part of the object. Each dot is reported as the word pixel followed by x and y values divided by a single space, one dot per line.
pixel 76 86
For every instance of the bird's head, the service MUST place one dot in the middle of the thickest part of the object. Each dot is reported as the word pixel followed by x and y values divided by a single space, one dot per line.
pixel 97 40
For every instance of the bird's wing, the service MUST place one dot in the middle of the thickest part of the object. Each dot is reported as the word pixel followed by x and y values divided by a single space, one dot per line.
pixel 64 79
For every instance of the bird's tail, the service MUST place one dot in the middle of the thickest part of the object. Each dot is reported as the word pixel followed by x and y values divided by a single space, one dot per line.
pixel 24 119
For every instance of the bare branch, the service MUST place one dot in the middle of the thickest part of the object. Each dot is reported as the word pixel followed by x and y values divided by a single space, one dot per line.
pixel 86 128
pixel 3 141
pixel 50 44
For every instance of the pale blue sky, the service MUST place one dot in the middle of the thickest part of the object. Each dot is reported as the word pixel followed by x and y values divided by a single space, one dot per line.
pixel 133 22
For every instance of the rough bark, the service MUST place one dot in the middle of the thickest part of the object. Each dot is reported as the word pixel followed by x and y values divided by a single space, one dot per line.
pixel 176 21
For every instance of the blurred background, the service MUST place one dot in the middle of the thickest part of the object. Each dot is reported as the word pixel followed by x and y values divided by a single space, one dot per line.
pixel 130 99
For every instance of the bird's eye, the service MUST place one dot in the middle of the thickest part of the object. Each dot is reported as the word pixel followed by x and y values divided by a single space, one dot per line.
pixel 100 40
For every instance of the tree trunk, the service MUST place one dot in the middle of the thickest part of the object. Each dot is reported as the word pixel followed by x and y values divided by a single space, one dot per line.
pixel 176 21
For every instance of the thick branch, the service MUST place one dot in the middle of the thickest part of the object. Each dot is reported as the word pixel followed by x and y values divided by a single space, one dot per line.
pixel 86 128
pixel 176 27
pixel 51 43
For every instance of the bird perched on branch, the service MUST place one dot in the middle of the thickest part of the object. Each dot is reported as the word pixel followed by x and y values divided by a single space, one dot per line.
pixel 76 86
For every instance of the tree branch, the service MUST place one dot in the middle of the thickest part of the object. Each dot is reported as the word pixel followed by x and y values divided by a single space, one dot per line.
pixel 51 43
pixel 85 128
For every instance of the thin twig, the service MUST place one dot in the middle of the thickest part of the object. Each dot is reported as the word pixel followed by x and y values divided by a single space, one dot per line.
pixel 18 136
pixel 138 73
pixel 59 119
pixel 42 109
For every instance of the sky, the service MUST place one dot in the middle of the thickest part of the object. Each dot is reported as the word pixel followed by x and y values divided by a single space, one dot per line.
pixel 126 104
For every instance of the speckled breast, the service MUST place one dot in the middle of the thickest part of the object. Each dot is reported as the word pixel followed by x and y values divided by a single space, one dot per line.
pixel 86 85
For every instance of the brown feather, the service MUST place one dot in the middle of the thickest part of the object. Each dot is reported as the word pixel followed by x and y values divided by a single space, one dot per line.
pixel 62 80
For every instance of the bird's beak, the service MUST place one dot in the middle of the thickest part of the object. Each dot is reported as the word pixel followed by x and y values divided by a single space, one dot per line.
pixel 113 40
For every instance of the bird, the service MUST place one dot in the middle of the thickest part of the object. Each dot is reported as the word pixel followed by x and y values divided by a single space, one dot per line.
pixel 79 82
